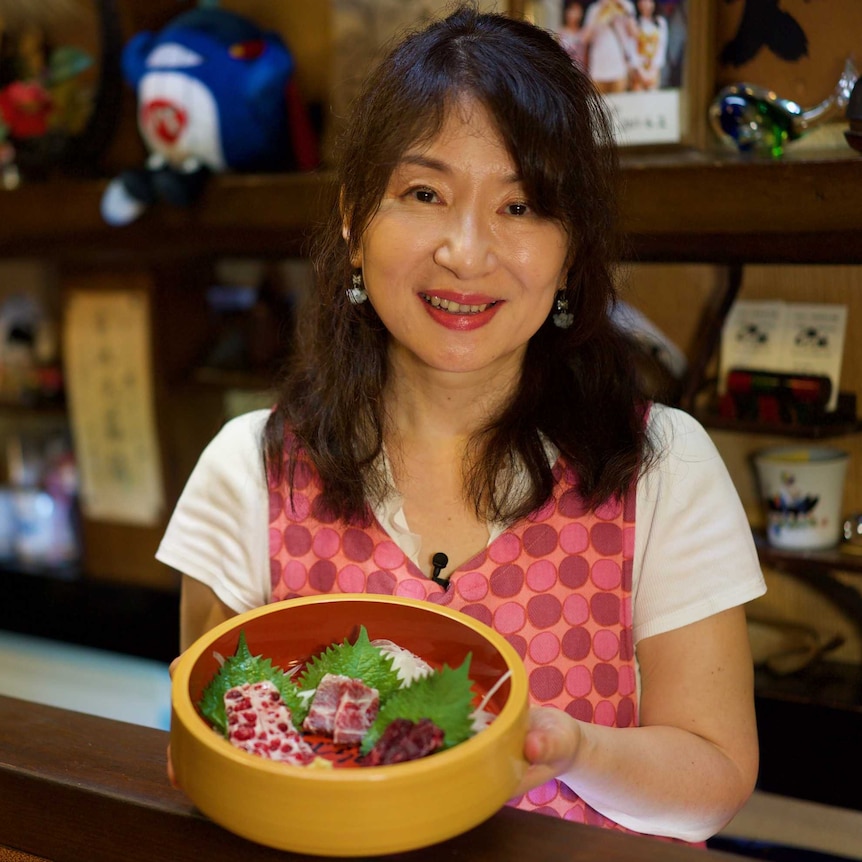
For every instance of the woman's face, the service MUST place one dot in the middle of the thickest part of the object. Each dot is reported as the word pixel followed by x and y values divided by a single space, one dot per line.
pixel 458 266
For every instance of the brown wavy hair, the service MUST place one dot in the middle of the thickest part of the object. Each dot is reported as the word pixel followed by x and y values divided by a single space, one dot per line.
pixel 579 386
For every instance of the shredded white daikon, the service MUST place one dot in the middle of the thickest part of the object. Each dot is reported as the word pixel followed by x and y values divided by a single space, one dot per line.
pixel 480 717
pixel 408 666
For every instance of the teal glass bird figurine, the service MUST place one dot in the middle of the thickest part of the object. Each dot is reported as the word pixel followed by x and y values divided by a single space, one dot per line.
pixel 756 120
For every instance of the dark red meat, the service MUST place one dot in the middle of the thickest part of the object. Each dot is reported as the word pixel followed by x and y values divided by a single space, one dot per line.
pixel 404 740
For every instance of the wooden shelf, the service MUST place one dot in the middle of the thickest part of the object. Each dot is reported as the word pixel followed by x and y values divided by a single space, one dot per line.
pixel 687 206
pixel 719 207
pixel 836 685
pixel 832 559
pixel 838 428
pixel 817 569
pixel 267 215
pixel 37 408
pixel 825 699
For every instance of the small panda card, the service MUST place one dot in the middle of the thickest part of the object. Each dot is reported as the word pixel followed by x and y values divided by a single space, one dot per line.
pixel 787 337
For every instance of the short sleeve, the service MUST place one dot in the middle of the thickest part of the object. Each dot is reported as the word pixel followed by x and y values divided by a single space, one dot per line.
pixel 218 532
pixel 694 551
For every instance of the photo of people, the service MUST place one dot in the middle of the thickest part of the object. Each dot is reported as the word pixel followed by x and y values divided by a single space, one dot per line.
pixel 633 50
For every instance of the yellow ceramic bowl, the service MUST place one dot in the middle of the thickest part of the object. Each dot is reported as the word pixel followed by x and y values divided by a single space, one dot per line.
pixel 358 811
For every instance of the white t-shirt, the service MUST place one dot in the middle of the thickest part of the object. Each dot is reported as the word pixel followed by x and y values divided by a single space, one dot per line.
pixel 694 554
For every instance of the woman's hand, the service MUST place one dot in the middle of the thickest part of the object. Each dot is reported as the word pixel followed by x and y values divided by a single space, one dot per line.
pixel 551 746
pixel 691 762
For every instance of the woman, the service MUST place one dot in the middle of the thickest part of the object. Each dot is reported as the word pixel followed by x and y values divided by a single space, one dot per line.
pixel 458 388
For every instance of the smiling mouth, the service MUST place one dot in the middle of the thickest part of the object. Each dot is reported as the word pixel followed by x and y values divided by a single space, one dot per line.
pixel 455 307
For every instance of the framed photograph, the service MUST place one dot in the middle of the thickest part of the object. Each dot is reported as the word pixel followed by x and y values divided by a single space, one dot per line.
pixel 651 59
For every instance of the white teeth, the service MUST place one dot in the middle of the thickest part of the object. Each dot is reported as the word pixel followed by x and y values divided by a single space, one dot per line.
pixel 454 307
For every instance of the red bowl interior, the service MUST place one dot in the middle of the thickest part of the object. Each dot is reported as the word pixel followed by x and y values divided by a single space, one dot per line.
pixel 293 632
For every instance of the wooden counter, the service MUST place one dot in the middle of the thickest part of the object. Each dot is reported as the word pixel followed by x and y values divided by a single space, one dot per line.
pixel 77 788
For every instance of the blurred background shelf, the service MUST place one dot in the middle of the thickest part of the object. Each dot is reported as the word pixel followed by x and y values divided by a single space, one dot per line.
pixel 802 561
pixel 821 431
pixel 808 723
pixel 88 612
pixel 839 423
pixel 686 205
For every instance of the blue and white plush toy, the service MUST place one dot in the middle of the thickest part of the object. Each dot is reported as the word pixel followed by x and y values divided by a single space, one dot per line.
pixel 216 93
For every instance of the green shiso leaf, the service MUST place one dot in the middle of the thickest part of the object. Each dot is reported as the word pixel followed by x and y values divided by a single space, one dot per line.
pixel 359 660
pixel 445 696
pixel 243 667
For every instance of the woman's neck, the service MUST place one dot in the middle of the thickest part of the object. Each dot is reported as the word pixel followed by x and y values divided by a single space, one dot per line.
pixel 423 402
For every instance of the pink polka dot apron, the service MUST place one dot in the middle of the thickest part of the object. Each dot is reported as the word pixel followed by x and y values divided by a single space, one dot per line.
pixel 557 586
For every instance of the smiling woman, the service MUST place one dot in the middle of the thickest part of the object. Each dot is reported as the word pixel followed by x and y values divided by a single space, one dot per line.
pixel 462 423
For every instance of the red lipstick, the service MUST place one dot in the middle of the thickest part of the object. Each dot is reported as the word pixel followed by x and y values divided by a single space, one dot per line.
pixel 462 321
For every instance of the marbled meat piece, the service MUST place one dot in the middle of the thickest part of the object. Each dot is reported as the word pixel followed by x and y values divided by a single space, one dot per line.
pixel 259 722
pixel 342 708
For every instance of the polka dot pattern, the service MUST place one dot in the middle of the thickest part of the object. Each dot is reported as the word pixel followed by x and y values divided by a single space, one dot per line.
pixel 557 586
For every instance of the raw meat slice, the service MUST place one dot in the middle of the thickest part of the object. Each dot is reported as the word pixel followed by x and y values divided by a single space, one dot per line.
pixel 342 708
pixel 404 740
pixel 357 710
pixel 321 711
pixel 259 722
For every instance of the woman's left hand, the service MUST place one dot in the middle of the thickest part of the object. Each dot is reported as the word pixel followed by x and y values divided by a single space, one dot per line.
pixel 551 746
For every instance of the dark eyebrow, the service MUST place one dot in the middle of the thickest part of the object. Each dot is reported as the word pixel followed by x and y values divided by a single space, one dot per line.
pixel 424 162
pixel 436 165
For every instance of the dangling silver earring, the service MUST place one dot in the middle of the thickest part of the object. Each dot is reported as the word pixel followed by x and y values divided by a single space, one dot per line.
pixel 356 294
pixel 562 317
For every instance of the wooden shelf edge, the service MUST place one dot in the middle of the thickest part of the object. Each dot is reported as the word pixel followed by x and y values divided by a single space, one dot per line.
pixel 833 559
pixel 826 683
pixel 684 206
pixel 839 428
pixel 840 422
